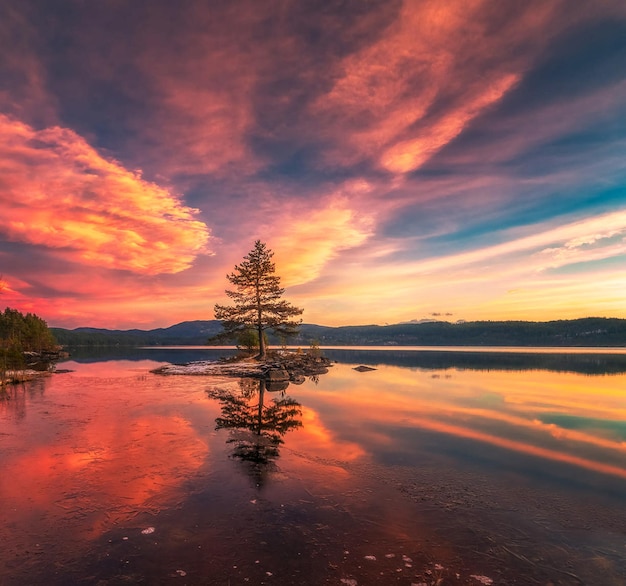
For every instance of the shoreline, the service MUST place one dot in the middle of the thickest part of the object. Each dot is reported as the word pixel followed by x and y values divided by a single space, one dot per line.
pixel 277 367
pixel 16 377
pixel 393 348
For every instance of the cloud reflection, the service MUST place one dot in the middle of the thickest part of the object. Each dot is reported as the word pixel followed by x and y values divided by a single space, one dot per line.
pixel 102 467
pixel 518 412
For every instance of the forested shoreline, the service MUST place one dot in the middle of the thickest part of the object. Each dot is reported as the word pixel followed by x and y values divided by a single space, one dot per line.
pixel 596 332
pixel 25 341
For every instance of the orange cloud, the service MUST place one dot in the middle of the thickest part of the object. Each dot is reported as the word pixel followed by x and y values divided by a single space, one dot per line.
pixel 57 191
pixel 306 240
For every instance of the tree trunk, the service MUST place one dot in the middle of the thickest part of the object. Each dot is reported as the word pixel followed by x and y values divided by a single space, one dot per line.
pixel 262 351
pixel 260 413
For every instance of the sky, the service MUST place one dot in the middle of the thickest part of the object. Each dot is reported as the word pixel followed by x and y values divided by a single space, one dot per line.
pixel 404 160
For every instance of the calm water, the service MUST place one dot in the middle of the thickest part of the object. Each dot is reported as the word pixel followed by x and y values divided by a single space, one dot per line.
pixel 435 468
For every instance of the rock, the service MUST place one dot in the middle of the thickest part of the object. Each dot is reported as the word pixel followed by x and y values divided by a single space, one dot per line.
pixel 19 376
pixel 276 386
pixel 363 368
pixel 279 368
pixel 276 374
pixel 205 367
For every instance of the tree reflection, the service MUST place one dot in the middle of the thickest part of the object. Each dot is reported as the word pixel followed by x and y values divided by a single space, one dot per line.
pixel 13 397
pixel 257 426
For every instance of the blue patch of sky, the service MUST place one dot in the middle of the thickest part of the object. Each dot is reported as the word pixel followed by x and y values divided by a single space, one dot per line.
pixel 107 114
pixel 586 57
pixel 493 226
pixel 290 162
pixel 299 163
pixel 105 111
pixel 578 62
pixel 599 133
pixel 603 201
pixel 206 191
pixel 99 100
pixel 599 143
pixel 577 151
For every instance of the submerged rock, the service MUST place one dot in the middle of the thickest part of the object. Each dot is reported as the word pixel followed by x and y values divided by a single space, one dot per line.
pixel 363 368
pixel 276 374
pixel 276 386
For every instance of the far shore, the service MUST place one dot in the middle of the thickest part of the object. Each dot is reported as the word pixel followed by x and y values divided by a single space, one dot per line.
pixel 391 348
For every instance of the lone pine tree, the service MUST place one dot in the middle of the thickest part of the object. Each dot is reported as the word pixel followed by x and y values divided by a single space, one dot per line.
pixel 257 300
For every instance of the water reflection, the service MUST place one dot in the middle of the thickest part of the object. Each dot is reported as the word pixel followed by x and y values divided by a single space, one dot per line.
pixel 533 422
pixel 110 449
pixel 433 359
pixel 594 361
pixel 90 448
pixel 13 398
pixel 176 355
pixel 257 426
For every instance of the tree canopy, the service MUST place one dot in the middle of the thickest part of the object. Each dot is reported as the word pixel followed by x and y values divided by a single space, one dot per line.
pixel 21 333
pixel 28 332
pixel 257 302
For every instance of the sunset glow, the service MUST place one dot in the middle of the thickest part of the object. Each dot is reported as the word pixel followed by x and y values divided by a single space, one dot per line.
pixel 402 159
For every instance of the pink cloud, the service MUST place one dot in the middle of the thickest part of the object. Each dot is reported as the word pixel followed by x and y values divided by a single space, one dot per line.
pixel 412 153
pixel 385 104
pixel 201 107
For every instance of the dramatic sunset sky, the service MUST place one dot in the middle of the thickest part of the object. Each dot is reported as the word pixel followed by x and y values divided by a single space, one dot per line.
pixel 404 160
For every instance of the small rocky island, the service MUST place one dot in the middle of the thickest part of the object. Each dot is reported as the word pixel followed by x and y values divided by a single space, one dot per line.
pixel 257 307
pixel 278 366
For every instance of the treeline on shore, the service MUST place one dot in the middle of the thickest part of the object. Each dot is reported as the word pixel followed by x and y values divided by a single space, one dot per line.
pixel 578 332
pixel 570 333
pixel 23 339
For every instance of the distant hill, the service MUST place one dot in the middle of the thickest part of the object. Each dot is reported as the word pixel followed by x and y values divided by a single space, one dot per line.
pixel 579 332
pixel 185 333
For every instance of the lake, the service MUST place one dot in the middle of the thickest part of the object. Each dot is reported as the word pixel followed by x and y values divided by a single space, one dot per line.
pixel 436 468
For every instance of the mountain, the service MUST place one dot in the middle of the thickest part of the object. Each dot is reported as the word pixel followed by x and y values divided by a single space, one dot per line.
pixel 185 333
pixel 591 331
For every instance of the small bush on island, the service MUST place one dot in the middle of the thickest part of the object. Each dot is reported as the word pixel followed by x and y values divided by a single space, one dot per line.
pixel 248 341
